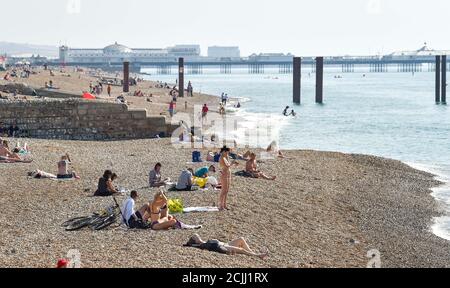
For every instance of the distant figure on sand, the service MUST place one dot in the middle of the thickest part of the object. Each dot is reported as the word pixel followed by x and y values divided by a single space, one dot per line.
pixel 171 108
pixel 105 187
pixel 154 178
pixel 63 168
pixel 252 169
pixel 205 110
pixel 108 89
pixel 273 149
pixel 238 246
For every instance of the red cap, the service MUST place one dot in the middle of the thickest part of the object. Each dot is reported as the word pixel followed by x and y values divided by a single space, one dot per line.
pixel 62 263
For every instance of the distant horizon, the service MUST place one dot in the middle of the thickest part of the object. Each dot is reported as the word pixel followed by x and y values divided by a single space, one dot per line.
pixel 203 49
pixel 309 28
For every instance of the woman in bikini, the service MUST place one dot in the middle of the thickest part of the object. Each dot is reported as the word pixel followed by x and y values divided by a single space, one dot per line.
pixel 159 213
pixel 225 177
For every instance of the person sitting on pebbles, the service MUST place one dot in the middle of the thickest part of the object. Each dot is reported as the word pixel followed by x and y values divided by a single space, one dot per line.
pixel 160 219
pixel 155 177
pixel 238 246
pixel 63 169
pixel 105 187
pixel 251 169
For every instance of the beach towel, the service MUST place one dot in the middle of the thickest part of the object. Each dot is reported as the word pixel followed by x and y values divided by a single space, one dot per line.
pixel 200 209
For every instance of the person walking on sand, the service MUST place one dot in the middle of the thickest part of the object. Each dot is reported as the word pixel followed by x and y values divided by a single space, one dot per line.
pixel 225 177
pixel 109 90
pixel 205 110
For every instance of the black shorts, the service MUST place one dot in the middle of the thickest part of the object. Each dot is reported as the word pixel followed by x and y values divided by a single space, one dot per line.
pixel 214 246
pixel 67 176
pixel 133 223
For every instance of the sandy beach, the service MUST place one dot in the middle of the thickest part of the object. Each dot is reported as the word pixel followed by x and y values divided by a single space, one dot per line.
pixel 324 210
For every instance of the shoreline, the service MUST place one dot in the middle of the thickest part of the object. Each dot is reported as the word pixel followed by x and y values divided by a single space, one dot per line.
pixel 444 219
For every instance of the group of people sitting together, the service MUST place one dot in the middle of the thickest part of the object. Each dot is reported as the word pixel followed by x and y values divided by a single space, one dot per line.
pixel 49 85
pixel 10 131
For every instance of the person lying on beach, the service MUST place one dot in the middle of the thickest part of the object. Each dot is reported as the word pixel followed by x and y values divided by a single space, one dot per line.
pixel 273 149
pixel 154 178
pixel 132 218
pixel 105 187
pixel 205 171
pixel 39 174
pixel 63 168
pixel 11 157
pixel 252 169
pixel 235 247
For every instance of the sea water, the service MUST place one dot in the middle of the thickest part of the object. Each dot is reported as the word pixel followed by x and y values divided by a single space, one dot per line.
pixel 390 114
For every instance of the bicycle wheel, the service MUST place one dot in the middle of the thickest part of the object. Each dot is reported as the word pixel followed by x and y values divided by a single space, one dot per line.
pixel 106 223
pixel 77 225
pixel 68 222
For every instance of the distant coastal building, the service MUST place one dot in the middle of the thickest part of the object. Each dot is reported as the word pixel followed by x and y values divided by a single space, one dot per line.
pixel 231 52
pixel 423 53
pixel 118 53
pixel 271 57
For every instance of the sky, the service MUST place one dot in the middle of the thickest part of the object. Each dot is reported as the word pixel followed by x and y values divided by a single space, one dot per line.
pixel 300 27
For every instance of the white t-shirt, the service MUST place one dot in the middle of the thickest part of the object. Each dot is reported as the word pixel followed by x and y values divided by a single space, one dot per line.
pixel 128 208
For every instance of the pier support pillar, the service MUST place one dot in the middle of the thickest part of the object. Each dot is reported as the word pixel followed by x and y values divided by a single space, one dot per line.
pixel 438 79
pixel 181 77
pixel 444 80
pixel 297 79
pixel 319 80
pixel 126 77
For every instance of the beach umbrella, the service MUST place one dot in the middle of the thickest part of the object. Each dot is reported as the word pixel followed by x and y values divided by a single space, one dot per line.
pixel 88 96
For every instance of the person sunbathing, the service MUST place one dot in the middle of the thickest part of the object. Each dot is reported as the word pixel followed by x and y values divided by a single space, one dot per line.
pixel 10 157
pixel 159 213
pixel 63 168
pixel 252 169
pixel 235 247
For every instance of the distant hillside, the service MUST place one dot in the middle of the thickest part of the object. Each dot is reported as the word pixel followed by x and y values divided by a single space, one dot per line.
pixel 28 49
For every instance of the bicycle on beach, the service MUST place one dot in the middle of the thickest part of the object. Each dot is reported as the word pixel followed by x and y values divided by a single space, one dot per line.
pixel 97 221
